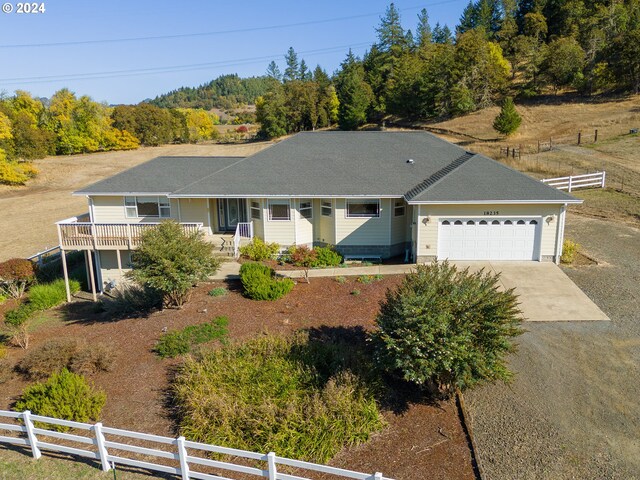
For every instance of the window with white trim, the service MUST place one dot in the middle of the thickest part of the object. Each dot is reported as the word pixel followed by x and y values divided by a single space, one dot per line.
pixel 398 208
pixel 143 206
pixel 326 208
pixel 306 209
pixel 363 208
pixel 279 210
pixel 255 210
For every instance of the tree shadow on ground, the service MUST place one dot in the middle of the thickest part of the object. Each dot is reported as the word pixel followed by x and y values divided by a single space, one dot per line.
pixel 332 350
pixel 109 309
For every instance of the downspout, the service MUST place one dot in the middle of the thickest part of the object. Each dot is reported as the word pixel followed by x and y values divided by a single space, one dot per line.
pixel 560 233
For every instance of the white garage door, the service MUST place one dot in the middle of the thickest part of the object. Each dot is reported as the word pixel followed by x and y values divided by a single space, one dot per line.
pixel 489 239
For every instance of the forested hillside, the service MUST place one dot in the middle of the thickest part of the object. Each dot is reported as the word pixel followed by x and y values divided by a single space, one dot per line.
pixel 225 92
pixel 500 47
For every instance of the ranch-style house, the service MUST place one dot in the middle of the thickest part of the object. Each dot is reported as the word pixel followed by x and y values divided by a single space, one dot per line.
pixel 370 194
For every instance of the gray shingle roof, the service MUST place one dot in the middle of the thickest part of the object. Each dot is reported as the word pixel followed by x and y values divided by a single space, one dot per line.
pixel 325 164
pixel 160 175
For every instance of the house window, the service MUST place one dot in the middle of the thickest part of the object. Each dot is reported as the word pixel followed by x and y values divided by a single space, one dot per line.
pixel 363 208
pixel 279 210
pixel 255 210
pixel 398 209
pixel 326 208
pixel 136 207
pixel 306 209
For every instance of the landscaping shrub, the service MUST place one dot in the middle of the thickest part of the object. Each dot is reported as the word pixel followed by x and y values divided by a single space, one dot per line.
pixel 180 342
pixel 6 371
pixel 172 261
pixel 3 298
pixel 569 251
pixel 17 321
pixel 217 292
pixel 327 257
pixel 258 250
pixel 49 295
pixel 341 280
pixel 289 395
pixel 64 395
pixel 130 300
pixel 302 256
pixel 447 327
pixel 259 282
pixel 55 355
pixel 16 275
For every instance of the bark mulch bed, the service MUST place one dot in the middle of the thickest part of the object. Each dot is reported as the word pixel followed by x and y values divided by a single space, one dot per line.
pixel 422 440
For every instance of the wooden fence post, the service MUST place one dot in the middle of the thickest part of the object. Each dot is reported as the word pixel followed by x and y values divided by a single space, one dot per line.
pixel 271 463
pixel 579 137
pixel 538 146
pixel 31 435
pixel 102 449
pixel 182 454
pixel 595 136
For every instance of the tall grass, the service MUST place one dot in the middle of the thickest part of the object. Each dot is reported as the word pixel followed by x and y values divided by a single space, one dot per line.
pixel 48 295
pixel 299 398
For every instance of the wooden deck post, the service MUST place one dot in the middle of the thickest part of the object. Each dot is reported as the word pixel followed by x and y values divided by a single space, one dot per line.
pixel 93 280
pixel 119 262
pixel 63 257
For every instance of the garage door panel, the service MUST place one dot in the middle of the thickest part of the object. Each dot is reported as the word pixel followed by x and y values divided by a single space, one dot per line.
pixel 503 239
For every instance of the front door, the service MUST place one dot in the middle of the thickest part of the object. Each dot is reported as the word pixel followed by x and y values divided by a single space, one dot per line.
pixel 231 211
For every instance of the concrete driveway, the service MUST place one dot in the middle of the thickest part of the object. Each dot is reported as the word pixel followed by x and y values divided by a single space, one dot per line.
pixel 546 294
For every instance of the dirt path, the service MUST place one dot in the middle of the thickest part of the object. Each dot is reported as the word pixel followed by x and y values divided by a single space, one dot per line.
pixel 573 409
pixel 28 214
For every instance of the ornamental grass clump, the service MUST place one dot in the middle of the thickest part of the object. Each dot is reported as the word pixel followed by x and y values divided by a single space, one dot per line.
pixel 447 328
pixel 300 398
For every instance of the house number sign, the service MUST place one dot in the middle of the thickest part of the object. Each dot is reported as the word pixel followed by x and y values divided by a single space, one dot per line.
pixel 491 212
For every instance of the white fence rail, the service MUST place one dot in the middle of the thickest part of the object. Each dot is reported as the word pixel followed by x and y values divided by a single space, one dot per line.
pixel 243 230
pixel 181 457
pixel 45 255
pixel 577 181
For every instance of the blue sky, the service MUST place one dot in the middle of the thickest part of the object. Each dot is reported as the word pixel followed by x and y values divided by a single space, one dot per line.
pixel 44 68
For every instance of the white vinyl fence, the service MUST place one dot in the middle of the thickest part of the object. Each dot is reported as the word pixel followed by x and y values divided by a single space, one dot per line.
pixel 577 181
pixel 180 456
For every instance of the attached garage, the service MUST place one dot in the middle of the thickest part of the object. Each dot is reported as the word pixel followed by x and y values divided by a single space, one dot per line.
pixel 489 239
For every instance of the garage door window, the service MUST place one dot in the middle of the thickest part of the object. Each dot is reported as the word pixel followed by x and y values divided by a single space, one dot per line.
pixel 483 222
pixel 533 222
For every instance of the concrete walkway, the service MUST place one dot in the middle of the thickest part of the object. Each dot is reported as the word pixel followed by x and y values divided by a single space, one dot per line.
pixel 545 293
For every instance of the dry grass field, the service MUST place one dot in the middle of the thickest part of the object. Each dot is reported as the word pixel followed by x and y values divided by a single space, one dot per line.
pixel 27 223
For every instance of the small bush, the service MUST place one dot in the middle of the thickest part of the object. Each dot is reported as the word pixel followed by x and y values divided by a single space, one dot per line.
pixel 327 257
pixel 130 300
pixel 6 371
pixel 259 282
pixel 17 320
pixel 365 279
pixel 49 295
pixel 180 342
pixel 302 256
pixel 55 355
pixel 16 275
pixel 258 250
pixel 3 351
pixel 217 292
pixel 447 327
pixel 569 251
pixel 3 298
pixel 341 280
pixel 355 292
pixel 64 395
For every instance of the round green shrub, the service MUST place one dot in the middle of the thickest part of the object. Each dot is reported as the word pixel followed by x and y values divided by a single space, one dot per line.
pixel 449 328
pixel 259 282
pixel 258 250
pixel 64 395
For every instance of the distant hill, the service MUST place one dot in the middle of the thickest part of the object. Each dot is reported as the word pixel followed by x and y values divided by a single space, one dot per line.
pixel 225 92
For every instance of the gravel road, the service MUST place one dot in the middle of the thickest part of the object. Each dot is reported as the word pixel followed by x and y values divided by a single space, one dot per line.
pixel 573 409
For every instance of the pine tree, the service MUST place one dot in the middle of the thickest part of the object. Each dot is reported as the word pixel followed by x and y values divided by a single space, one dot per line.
pixel 423 32
pixel 354 94
pixel 391 36
pixel 468 19
pixel 508 120
pixel 293 69
pixel 305 73
pixel 273 71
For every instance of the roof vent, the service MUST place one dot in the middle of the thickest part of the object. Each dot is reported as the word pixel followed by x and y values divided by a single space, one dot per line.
pixel 410 161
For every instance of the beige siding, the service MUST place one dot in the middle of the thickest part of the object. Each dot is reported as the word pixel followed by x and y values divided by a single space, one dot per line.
pixel 109 266
pixel 362 231
pixel 431 214
pixel 195 210
pixel 110 209
pixel 400 225
pixel 280 231
pixel 304 226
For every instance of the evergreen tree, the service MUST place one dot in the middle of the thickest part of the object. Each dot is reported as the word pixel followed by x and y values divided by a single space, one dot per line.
pixel 508 120
pixel 273 71
pixel 442 34
pixel 423 32
pixel 354 94
pixel 391 36
pixel 292 71
pixel 305 73
pixel 468 19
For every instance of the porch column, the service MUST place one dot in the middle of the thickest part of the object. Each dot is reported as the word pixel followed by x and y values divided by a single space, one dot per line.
pixel 119 263
pixel 65 273
pixel 93 280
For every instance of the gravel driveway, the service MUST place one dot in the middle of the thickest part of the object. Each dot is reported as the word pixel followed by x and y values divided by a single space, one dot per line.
pixel 573 408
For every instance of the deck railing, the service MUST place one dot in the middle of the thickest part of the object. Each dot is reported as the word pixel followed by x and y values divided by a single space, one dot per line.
pixel 176 456
pixel 87 235
pixel 243 230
